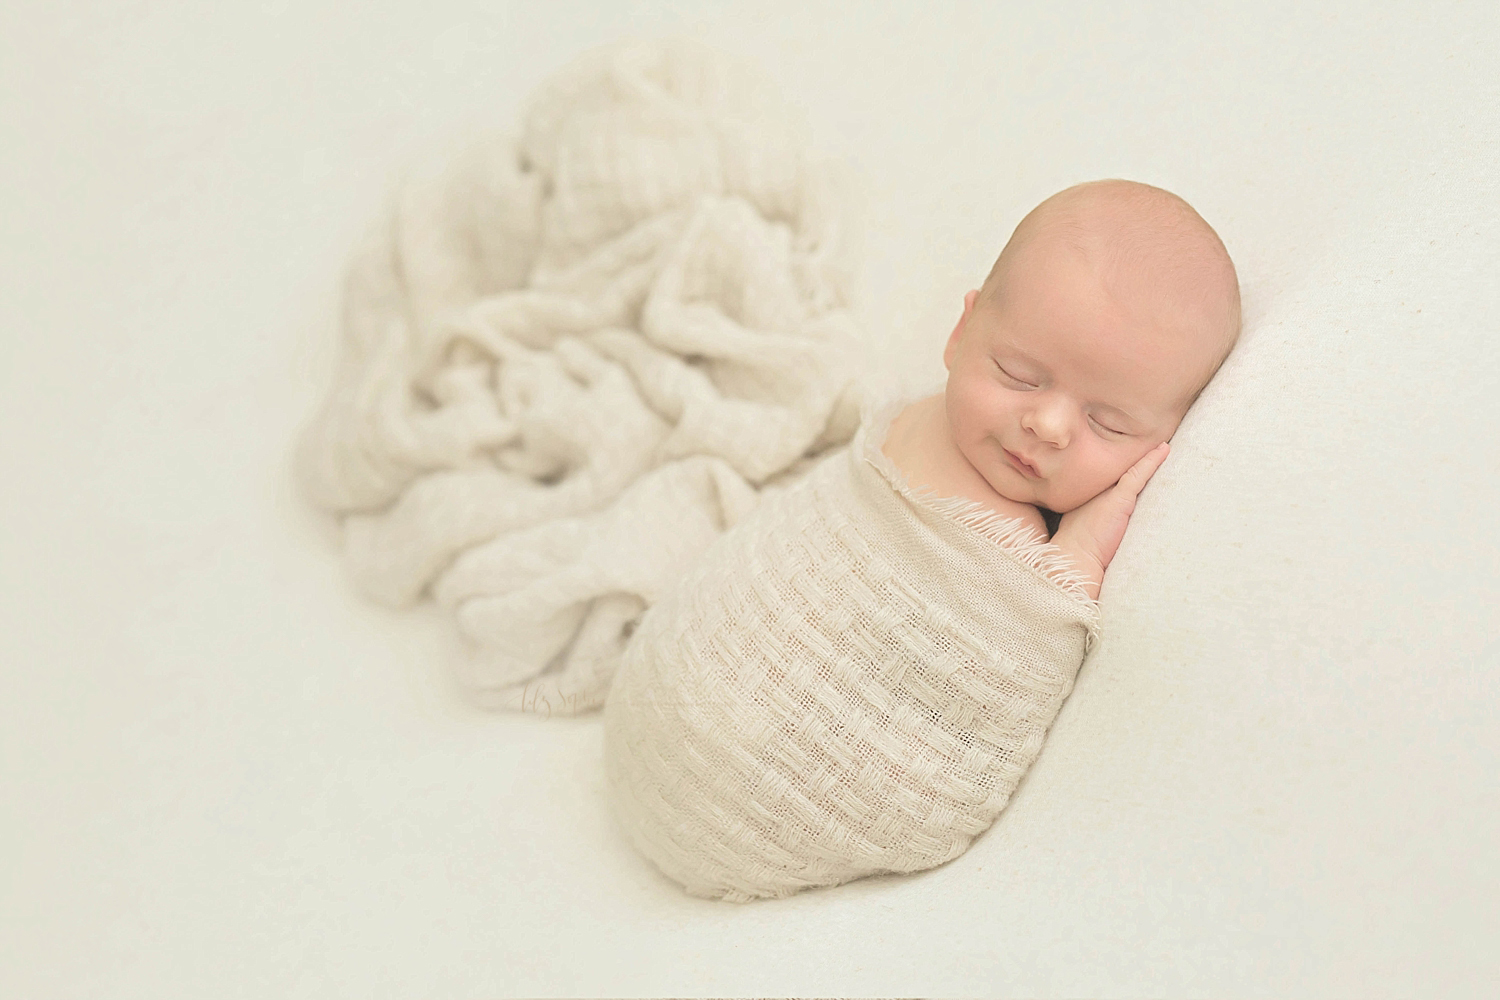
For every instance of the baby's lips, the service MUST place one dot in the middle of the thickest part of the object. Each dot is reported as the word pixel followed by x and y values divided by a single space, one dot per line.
pixel 1021 463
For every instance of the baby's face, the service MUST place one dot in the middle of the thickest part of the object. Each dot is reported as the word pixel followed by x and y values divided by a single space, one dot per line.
pixel 1076 379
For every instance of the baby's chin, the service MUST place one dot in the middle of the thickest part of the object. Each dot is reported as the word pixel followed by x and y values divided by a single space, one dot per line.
pixel 1036 497
pixel 1009 491
pixel 1062 505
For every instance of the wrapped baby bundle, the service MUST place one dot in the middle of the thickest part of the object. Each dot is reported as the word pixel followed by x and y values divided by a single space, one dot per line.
pixel 851 681
pixel 570 361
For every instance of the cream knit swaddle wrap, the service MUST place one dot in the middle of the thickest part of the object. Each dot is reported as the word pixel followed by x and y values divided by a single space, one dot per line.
pixel 852 681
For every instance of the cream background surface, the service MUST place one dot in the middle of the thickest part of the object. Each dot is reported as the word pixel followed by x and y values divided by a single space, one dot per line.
pixel 222 774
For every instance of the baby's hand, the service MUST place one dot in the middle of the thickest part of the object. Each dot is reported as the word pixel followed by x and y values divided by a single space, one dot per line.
pixel 1092 533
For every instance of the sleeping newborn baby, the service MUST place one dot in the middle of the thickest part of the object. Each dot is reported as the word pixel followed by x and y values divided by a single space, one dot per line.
pixel 856 676
pixel 1105 316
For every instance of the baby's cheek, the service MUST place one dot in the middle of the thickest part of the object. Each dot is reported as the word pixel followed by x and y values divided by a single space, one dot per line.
pixel 982 414
pixel 962 419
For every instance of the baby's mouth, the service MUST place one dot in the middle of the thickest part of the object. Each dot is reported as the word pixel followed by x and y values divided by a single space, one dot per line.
pixel 1021 465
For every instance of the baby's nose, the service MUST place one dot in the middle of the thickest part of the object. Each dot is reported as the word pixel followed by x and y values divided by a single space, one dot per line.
pixel 1049 423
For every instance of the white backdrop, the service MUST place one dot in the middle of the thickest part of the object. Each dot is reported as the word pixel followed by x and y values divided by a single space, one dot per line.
pixel 222 774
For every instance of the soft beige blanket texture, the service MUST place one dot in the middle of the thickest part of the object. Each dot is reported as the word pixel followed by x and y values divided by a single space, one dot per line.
pixel 572 358
pixel 852 681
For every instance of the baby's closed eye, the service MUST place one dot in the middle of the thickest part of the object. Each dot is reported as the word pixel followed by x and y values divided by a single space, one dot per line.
pixel 1013 378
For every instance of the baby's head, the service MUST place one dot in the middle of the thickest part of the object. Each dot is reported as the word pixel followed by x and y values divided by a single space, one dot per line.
pixel 1105 315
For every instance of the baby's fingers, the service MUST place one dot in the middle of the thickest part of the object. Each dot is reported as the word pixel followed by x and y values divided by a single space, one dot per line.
pixel 1140 473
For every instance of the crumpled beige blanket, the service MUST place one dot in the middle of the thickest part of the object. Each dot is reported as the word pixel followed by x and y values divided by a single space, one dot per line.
pixel 851 681
pixel 570 359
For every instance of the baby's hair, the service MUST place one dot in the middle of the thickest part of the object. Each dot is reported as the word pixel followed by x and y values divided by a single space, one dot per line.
pixel 1122 226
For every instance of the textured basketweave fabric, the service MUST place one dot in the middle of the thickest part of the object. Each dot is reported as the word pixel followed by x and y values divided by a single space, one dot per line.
pixel 853 680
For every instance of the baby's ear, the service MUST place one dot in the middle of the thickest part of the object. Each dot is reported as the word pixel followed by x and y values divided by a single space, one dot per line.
pixel 958 329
